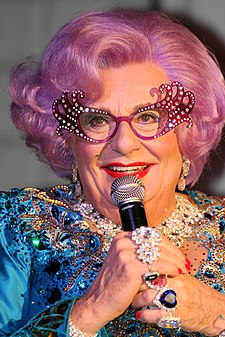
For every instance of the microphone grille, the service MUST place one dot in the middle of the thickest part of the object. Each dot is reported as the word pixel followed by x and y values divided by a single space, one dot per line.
pixel 127 188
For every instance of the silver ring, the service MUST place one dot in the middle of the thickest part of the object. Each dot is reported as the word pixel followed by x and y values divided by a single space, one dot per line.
pixel 147 240
pixel 169 322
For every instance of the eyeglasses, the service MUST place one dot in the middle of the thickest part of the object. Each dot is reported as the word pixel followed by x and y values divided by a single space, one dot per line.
pixel 147 123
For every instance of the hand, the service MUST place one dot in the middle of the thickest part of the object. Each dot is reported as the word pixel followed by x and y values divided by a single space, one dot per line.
pixel 198 305
pixel 120 279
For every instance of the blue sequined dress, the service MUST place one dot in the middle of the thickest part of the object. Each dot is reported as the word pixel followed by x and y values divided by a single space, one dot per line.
pixel 49 257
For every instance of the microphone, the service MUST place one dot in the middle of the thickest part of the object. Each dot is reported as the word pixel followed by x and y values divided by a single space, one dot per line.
pixel 127 193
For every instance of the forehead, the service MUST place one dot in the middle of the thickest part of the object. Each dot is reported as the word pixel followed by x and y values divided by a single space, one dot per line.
pixel 130 85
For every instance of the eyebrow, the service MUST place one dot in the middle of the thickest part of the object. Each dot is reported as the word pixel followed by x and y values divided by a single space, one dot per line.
pixel 136 107
pixel 140 106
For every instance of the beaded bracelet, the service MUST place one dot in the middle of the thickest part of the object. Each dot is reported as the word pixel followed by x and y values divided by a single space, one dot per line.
pixel 74 332
pixel 222 334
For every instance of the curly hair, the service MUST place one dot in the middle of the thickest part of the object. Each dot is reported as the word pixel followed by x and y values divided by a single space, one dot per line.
pixel 102 40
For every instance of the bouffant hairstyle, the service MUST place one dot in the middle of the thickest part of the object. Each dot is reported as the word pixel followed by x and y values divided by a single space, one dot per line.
pixel 102 40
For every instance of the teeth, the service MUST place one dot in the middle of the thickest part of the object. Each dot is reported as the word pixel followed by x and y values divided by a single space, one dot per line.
pixel 127 169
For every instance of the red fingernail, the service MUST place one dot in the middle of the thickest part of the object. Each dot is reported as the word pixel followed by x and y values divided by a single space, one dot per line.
pixel 188 265
pixel 138 314
pixel 180 271
pixel 188 262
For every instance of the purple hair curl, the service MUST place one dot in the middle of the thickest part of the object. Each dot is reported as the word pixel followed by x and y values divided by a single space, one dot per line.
pixel 102 40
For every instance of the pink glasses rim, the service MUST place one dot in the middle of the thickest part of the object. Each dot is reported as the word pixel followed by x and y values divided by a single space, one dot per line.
pixel 173 103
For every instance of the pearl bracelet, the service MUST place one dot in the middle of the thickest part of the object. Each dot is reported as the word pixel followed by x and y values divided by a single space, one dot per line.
pixel 74 332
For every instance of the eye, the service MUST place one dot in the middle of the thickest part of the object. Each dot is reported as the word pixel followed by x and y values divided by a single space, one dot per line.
pixel 95 121
pixel 147 117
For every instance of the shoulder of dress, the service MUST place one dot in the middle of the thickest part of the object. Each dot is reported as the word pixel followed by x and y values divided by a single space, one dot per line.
pixel 51 215
pixel 59 195
pixel 32 202
pixel 9 200
pixel 213 210
pixel 203 200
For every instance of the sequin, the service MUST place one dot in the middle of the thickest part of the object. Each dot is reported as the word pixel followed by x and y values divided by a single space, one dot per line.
pixel 56 245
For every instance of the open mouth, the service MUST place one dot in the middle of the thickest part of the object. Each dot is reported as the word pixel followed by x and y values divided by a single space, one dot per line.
pixel 117 170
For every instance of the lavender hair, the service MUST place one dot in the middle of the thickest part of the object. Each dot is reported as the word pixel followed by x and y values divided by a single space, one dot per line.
pixel 102 40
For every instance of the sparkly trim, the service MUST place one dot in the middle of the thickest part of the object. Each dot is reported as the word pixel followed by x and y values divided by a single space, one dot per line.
pixel 179 226
pixel 40 224
pixel 74 332
pixel 209 218
pixel 176 227
pixel 176 101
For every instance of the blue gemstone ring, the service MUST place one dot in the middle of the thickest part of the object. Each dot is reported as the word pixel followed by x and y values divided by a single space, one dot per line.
pixel 166 299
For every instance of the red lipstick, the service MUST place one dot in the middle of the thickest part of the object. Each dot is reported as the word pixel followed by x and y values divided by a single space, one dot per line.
pixel 138 169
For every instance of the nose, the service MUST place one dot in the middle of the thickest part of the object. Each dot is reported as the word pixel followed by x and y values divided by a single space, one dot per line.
pixel 125 141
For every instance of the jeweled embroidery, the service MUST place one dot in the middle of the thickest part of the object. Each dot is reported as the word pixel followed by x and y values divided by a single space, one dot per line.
pixel 72 255
pixel 74 237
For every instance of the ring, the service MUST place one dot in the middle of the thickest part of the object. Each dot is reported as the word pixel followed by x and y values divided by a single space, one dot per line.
pixel 154 280
pixel 147 240
pixel 169 322
pixel 166 299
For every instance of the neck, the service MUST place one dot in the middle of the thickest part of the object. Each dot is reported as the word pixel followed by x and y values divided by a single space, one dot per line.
pixel 156 210
pixel 178 219
pixel 159 209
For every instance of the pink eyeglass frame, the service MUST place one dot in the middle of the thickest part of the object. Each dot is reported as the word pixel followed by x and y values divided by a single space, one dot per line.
pixel 173 103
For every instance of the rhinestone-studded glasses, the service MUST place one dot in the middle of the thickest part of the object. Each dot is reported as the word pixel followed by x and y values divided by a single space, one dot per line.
pixel 148 122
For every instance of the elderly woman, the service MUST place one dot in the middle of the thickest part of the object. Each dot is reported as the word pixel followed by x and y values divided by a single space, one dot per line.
pixel 120 100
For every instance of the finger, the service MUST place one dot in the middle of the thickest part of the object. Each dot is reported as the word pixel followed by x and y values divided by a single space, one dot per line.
pixel 144 298
pixel 150 315
pixel 168 251
pixel 153 315
pixel 164 243
pixel 147 296
pixel 170 261
pixel 168 265
pixel 170 246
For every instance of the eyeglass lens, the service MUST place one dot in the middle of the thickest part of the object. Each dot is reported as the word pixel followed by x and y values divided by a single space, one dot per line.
pixel 100 126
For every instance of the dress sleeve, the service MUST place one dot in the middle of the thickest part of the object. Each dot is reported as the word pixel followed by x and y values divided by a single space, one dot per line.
pixel 14 270
pixel 18 316
pixel 23 312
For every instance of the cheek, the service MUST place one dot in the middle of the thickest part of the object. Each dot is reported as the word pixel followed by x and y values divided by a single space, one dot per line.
pixel 165 147
pixel 173 158
pixel 85 154
pixel 167 151
pixel 173 155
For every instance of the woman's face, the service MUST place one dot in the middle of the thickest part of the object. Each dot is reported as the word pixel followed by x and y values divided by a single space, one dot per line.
pixel 156 162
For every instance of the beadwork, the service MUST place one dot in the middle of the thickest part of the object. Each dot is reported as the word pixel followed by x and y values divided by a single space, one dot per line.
pixel 74 332
pixel 179 225
pixel 67 255
pixel 176 227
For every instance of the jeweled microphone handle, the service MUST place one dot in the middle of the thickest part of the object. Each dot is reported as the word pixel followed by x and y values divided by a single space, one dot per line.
pixel 127 193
